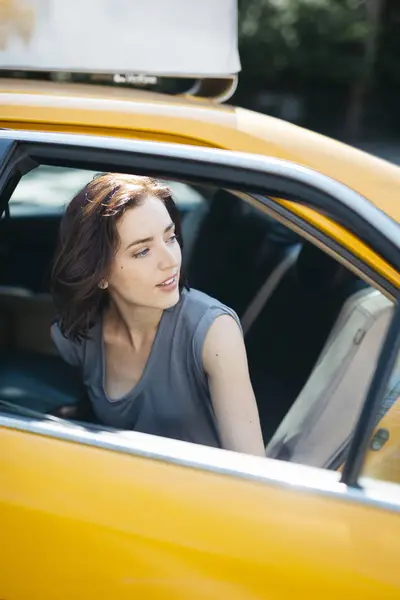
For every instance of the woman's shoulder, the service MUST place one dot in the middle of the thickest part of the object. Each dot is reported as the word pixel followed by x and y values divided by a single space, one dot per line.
pixel 199 301
pixel 68 349
pixel 72 351
pixel 197 314
pixel 197 306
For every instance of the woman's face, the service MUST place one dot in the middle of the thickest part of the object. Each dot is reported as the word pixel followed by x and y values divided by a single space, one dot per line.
pixel 146 267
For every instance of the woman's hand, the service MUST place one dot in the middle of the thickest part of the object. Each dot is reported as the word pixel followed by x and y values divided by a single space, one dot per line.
pixel 235 407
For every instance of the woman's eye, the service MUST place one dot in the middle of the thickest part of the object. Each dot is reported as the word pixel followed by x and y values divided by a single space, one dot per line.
pixel 172 239
pixel 141 253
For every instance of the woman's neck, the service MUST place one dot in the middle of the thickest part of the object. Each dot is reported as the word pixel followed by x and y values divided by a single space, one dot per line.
pixel 136 324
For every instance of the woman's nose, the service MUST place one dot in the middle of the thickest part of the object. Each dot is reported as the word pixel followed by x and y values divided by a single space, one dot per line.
pixel 169 258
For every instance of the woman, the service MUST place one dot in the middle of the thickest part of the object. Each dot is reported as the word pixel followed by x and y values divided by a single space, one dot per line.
pixel 155 356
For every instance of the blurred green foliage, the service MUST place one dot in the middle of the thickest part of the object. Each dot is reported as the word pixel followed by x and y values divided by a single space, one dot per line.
pixel 338 59
pixel 302 40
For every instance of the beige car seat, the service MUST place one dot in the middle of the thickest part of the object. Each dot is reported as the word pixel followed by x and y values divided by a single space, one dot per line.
pixel 321 420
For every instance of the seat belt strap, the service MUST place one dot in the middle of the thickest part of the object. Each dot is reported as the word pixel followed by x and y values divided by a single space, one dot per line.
pixel 266 290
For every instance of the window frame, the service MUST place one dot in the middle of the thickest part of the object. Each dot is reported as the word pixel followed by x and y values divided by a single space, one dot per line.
pixel 252 174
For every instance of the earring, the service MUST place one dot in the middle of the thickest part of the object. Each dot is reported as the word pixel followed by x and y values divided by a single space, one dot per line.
pixel 103 285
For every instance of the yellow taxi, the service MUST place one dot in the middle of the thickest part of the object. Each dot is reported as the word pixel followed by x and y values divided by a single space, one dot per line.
pixel 299 234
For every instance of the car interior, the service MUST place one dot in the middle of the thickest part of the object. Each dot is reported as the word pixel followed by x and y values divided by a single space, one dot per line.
pixel 312 328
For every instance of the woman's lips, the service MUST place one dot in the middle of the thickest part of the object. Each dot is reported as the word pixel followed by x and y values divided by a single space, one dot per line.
pixel 169 284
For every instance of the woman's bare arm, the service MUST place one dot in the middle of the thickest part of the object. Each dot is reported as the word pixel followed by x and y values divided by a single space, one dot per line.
pixel 225 363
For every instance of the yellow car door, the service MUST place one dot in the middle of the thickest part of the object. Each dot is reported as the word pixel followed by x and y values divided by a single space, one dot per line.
pixel 96 513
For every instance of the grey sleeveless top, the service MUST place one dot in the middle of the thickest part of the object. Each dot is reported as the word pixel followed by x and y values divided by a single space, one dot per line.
pixel 172 397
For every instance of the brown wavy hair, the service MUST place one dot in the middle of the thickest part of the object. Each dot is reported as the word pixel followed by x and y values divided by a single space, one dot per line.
pixel 87 243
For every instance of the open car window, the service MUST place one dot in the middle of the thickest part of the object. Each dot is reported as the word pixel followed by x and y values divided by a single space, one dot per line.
pixel 300 311
pixel 306 308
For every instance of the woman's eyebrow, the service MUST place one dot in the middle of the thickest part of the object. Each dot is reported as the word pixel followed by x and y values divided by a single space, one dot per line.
pixel 150 239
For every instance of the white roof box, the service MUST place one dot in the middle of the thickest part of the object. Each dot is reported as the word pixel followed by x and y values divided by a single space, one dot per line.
pixel 165 38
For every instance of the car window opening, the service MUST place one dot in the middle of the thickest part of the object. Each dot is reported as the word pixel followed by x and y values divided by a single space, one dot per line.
pixel 313 329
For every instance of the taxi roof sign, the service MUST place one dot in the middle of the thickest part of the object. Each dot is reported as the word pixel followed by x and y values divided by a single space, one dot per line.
pixel 165 38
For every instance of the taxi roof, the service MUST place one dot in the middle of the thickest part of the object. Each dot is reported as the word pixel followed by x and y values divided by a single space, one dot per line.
pixel 124 112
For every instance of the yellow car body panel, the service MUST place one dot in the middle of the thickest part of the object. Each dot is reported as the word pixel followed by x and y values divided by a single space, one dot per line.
pixel 79 521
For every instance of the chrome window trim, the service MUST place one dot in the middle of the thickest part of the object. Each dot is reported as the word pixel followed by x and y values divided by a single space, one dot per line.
pixel 380 488
pixel 222 462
